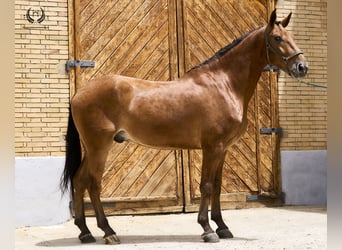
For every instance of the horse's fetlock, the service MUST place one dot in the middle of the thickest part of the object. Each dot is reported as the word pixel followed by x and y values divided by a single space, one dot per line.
pixel 216 217
pixel 202 219
pixel 79 222
pixel 103 223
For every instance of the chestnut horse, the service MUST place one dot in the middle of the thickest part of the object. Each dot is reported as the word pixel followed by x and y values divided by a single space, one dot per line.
pixel 205 109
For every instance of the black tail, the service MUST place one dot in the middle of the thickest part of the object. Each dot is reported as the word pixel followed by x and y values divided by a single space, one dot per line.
pixel 73 155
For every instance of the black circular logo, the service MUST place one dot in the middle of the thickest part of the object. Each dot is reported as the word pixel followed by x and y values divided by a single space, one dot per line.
pixel 35 15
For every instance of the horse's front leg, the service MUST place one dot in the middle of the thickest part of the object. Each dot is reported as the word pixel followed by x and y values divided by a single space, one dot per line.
pixel 212 158
pixel 110 236
pixel 209 235
pixel 216 215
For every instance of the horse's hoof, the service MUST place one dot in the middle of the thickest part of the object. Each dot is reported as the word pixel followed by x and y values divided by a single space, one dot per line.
pixel 87 238
pixel 210 237
pixel 112 239
pixel 224 234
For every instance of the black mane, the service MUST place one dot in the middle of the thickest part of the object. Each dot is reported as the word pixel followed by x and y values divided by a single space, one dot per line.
pixel 225 49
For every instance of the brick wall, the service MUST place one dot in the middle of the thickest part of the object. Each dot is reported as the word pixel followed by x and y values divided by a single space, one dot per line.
pixel 41 85
pixel 303 109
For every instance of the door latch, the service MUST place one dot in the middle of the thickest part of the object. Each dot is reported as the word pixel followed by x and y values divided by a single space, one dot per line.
pixel 74 63
pixel 269 131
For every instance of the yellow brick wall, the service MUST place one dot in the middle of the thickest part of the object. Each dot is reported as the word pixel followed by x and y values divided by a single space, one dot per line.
pixel 41 85
pixel 303 109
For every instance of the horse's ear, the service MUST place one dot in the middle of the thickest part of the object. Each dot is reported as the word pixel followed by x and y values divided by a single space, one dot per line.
pixel 273 18
pixel 286 20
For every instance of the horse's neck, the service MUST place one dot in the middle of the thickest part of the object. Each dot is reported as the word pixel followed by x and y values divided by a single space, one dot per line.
pixel 244 64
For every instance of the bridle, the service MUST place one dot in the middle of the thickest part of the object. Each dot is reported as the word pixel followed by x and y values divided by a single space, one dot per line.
pixel 285 59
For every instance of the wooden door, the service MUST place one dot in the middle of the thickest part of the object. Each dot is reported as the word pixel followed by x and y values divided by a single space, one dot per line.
pixel 251 165
pixel 160 40
pixel 133 38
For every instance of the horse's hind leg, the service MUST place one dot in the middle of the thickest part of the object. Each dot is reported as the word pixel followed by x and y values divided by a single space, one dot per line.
pixel 78 194
pixel 97 156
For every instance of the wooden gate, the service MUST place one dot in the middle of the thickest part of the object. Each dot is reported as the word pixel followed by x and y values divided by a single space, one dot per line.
pixel 160 40
pixel 251 165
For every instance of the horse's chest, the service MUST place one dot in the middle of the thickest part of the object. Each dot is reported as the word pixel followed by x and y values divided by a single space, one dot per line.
pixel 229 119
pixel 229 109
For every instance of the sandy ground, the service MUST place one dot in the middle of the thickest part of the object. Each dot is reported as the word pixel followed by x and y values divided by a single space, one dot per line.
pixel 258 228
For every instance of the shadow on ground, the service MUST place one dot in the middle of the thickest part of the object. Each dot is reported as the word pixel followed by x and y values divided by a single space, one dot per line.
pixel 307 209
pixel 133 239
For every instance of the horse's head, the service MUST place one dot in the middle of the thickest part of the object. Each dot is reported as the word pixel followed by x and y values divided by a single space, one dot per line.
pixel 281 50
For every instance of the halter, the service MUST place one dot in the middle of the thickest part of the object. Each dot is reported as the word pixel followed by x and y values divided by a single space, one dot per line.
pixel 285 59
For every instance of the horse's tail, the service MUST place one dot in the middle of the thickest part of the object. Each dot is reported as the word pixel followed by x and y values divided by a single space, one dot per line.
pixel 73 155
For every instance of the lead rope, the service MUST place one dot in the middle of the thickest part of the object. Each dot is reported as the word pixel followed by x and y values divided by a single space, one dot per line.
pixel 311 84
pixel 276 69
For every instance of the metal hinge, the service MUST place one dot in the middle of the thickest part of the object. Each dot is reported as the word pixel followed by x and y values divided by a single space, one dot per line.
pixel 269 131
pixel 74 63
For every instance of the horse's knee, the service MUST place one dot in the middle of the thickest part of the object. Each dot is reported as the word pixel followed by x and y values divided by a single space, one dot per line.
pixel 207 188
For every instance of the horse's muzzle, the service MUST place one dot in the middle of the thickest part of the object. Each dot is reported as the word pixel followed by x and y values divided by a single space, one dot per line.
pixel 299 69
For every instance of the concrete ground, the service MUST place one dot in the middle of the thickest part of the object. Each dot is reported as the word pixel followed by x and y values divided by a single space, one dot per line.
pixel 257 228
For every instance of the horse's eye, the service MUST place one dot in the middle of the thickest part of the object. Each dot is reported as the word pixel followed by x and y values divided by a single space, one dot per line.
pixel 277 39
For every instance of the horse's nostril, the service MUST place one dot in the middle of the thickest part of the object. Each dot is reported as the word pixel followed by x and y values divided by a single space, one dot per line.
pixel 300 67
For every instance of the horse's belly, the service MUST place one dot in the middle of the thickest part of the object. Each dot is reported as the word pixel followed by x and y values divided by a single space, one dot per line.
pixel 161 137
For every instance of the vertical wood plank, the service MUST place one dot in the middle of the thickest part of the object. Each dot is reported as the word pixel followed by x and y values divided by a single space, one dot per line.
pixel 77 41
pixel 173 50
pixel 72 45
pixel 180 36
pixel 276 139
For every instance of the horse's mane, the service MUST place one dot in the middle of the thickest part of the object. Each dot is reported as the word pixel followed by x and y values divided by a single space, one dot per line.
pixel 225 49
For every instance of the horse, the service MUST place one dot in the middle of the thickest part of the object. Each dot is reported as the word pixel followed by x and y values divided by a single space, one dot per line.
pixel 204 109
